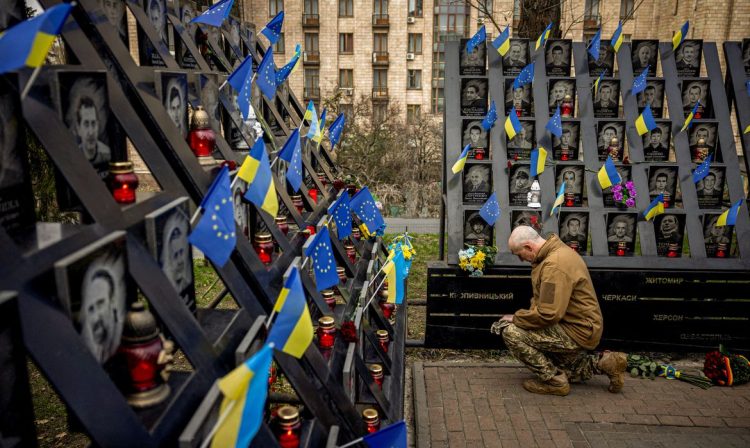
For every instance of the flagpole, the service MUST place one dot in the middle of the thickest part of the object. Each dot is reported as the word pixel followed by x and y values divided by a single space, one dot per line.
pixel 30 82
pixel 377 288
pixel 353 442
pixel 195 215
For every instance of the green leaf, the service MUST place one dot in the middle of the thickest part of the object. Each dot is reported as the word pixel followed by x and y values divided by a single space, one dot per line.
pixel 635 357
pixel 634 372
pixel 652 365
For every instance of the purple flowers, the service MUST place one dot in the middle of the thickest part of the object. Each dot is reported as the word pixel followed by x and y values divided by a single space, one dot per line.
pixel 630 202
pixel 625 196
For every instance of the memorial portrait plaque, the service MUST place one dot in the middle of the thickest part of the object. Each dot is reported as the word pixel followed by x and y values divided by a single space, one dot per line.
pixel 520 184
pixel 516 58
pixel 558 90
pixel 477 183
pixel 93 289
pixel 621 233
pixel 656 142
pixel 746 55
pixel 718 240
pixel 232 121
pixel 114 11
pixel 707 132
pixel 607 99
pixel 156 11
pixel 566 146
pixel 688 58
pixel 670 230
pixel 572 177
pixel 574 230
pixel 605 63
pixel 478 139
pixel 210 99
pixel 474 63
pixel 663 180
pixel 644 54
pixel 531 218
pixel 557 56
pixel 475 227
pixel 232 27
pixel 11 13
pixel 692 92
pixel 520 98
pixel 607 195
pixel 187 12
pixel 606 130
pixel 242 208
pixel 474 97
pixel 174 97
pixel 167 232
pixel 652 95
pixel 520 147
pixel 710 189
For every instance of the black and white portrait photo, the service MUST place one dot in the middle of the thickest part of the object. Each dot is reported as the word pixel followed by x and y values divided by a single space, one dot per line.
pixel 559 89
pixel 607 195
pixel 516 58
pixel 566 146
pixel 93 289
pixel 574 229
pixel 520 98
pixel 572 177
pixel 474 97
pixel 688 58
pixel 663 180
pixel 692 92
pixel 11 12
pixel 210 99
pixel 520 147
pixel 606 131
pixel 174 98
pixel 114 11
pixel 474 135
pixel 520 184
pixel 607 99
pixel 167 231
pixel 526 218
pixel 187 12
pixel 700 150
pixel 656 143
pixel 606 61
pixel 652 96
pixel 644 53
pixel 746 55
pixel 156 11
pixel 477 183
pixel 475 227
pixel 710 190
pixel 557 56
pixel 241 207
pixel 669 229
pixel 233 27
pixel 716 238
pixel 621 231
pixel 473 63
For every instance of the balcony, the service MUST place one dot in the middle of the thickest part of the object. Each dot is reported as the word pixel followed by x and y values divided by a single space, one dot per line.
pixel 311 58
pixel 380 21
pixel 380 93
pixel 380 58
pixel 311 20
pixel 312 93
pixel 592 21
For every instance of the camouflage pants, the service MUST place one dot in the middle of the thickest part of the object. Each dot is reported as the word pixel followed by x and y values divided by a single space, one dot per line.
pixel 547 351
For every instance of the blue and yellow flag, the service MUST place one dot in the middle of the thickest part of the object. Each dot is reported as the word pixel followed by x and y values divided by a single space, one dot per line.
pixel 595 45
pixel 459 165
pixel 27 43
pixel 680 35
pixel 656 207
pixel 729 217
pixel 512 124
pixel 245 390
pixel 292 153
pixel 645 122
pixel 538 157
pixel 616 40
pixel 342 215
pixel 747 129
pixel 476 39
pixel 490 211
pixel 312 117
pixel 337 127
pixel 703 169
pixel 256 171
pixel 526 76
pixel 608 174
pixel 272 30
pixel 266 76
pixel 689 118
pixel 215 233
pixel 292 332
pixel 543 37
pixel 554 125
pixel 216 14
pixel 639 83
pixel 283 73
pixel 502 42
pixel 321 127
pixel 558 200
pixel 323 261
pixel 489 121
pixel 395 273
pixel 598 82
pixel 363 205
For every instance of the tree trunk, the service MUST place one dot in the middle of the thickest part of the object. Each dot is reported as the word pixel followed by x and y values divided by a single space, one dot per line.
pixel 536 15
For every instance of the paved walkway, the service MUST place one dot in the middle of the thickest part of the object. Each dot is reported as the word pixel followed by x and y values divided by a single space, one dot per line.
pixel 477 405
pixel 414 225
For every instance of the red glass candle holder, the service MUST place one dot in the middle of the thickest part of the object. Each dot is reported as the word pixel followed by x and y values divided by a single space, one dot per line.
pixel 518 113
pixel 372 420
pixel 281 222
pixel 351 252
pixel 564 155
pixel 384 339
pixel 272 373
pixel 323 179
pixel 387 309
pixel 202 139
pixel 479 154
pixel 566 109
pixel 122 182
pixel 341 272
pixel 667 199
pixel 313 192
pixel 288 427
pixel 721 250
pixel 570 199
pixel 230 164
pixel 310 230
pixel 297 202
pixel 326 332
pixel 329 298
pixel 573 245
pixel 673 250
pixel 622 249
pixel 376 371
pixel 698 113
pixel 263 244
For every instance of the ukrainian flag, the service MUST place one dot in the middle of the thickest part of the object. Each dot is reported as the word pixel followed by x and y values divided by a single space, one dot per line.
pixel 645 122
pixel 312 117
pixel 321 126
pixel 598 81
pixel 292 332
pixel 256 171
pixel 394 273
pixel 690 116
pixel 617 38
pixel 543 37
pixel 27 43
pixel 538 157
pixel 459 165
pixel 502 42
pixel 729 217
pixel 680 35
pixel 608 174
pixel 747 129
pixel 245 390
pixel 656 207
pixel 558 200
pixel 512 124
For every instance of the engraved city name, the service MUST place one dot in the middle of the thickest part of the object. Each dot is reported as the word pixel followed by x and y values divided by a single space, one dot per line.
pixel 664 280
pixel 481 295
pixel 619 297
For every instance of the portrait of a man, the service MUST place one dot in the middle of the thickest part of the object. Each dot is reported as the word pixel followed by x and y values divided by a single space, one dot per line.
pixel 477 183
pixel 519 98
pixel 669 232
pixel 621 232
pixel 520 184
pixel 473 63
pixel 558 90
pixel 475 136
pixel 607 130
pixel 663 180
pixel 157 15
pixel 156 12
pixel 710 190
pixel 114 11
pixel 526 218
pixel 606 61
pixel 713 236
pixel 520 147
pixel 653 96
pixel 645 54
pixel 241 212
pixel 688 58
pixel 210 100
pixel 516 58
pixel 174 97
pixel 557 57
pixel 572 177
pixel 574 230
pixel 475 227
pixel 187 13
pixel 694 91
pixel 656 143
pixel 565 147
pixel 607 99
pixel 474 97
pixel 707 133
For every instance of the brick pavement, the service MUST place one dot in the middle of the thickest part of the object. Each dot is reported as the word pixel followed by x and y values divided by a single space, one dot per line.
pixel 475 405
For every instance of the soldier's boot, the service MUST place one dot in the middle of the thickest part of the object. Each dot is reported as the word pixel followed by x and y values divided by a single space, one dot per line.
pixel 613 364
pixel 557 385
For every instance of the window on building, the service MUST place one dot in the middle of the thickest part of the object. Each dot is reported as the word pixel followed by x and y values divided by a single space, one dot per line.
pixel 311 7
pixel 451 22
pixel 346 8
pixel 311 43
pixel 380 43
pixel 380 7
pixel 278 47
pixel 415 8
pixel 414 79
pixel 626 8
pixel 275 7
pixel 379 111
pixel 346 43
pixel 415 43
pixel 346 78
pixel 485 8
pixel 312 83
pixel 438 99
pixel 591 9
pixel 413 112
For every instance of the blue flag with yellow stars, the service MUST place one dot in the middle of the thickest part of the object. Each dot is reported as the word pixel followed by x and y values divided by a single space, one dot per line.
pixel 526 76
pixel 334 132
pixel 244 96
pixel 272 30
pixel 639 83
pixel 238 77
pixel 554 125
pixel 283 73
pixel 215 233
pixel 364 206
pixel 702 170
pixel 342 216
pixel 476 39
pixel 294 172
pixel 266 77
pixel 216 14
pixel 490 211
pixel 324 264
pixel 491 117
pixel 595 45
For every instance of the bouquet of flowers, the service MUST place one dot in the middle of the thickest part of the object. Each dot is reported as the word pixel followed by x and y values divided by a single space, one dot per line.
pixel 473 259
pixel 626 195
pixel 645 367
pixel 726 369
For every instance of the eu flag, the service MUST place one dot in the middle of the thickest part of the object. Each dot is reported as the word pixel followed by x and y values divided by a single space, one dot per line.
pixel 595 45
pixel 266 77
pixel 244 96
pixel 291 145
pixel 215 233
pixel 337 127
pixel 363 205
pixel 240 75
pixel 392 436
pixel 476 39
pixel 216 14
pixel 324 264
pixel 342 216
pixel 283 73
pixel 526 76
pixel 490 211
pixel 639 83
pixel 702 170
pixel 27 43
pixel 554 125
pixel 292 153
pixel 491 117
pixel 292 332
pixel 272 30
